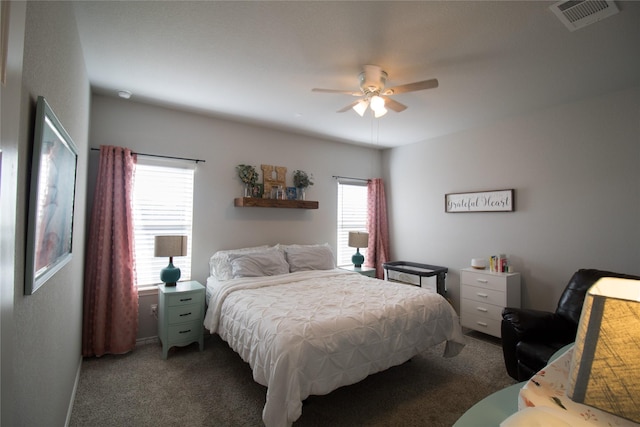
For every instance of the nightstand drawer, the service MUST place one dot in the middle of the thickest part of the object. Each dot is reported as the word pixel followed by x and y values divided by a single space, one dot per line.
pixel 184 313
pixel 184 299
pixel 484 295
pixel 184 332
pixel 479 308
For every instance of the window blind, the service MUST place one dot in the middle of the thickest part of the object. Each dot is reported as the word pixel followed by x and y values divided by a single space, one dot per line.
pixel 352 216
pixel 162 205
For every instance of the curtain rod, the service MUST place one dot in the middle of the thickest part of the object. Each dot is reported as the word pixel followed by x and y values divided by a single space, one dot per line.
pixel 348 177
pixel 161 156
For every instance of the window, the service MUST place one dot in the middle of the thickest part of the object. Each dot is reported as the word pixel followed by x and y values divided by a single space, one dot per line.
pixel 162 205
pixel 352 216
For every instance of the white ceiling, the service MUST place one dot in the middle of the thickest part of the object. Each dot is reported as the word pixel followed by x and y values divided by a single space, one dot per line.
pixel 257 62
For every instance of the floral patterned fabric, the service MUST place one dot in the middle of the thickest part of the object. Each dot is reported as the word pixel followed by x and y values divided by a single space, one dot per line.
pixel 110 319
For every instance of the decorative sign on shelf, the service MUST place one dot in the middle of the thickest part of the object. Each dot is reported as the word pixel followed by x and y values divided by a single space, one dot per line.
pixel 273 176
pixel 480 201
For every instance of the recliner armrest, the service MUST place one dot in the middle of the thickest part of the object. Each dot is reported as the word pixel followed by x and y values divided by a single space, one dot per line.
pixel 530 323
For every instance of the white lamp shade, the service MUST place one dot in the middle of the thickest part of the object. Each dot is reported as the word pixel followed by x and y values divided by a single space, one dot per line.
pixel 361 107
pixel 170 246
pixel 605 369
pixel 377 102
pixel 379 112
pixel 358 239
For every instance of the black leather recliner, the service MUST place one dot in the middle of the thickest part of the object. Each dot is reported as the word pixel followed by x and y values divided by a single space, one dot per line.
pixel 530 337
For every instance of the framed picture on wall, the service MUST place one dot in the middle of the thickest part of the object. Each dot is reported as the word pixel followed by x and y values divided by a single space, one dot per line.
pixel 480 201
pixel 51 199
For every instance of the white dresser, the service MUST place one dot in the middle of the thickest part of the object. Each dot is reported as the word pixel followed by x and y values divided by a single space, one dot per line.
pixel 483 295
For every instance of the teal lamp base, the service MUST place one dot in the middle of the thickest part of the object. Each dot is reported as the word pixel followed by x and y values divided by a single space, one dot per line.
pixel 357 259
pixel 170 274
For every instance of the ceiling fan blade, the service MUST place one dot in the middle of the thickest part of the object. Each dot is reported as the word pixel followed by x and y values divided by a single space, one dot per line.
pixel 345 92
pixel 393 104
pixel 412 87
pixel 347 108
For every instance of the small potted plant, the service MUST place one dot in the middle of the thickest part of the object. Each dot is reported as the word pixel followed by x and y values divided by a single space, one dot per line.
pixel 249 176
pixel 301 180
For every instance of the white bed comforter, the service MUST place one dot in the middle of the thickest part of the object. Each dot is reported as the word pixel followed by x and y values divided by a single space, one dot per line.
pixel 308 333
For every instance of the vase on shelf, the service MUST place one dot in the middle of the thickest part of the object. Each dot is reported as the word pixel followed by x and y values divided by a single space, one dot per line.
pixel 248 190
pixel 301 193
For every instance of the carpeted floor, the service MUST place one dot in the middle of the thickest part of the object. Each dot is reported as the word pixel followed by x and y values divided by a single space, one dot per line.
pixel 215 388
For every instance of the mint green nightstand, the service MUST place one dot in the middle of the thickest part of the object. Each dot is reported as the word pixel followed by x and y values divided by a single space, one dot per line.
pixel 180 315
pixel 365 271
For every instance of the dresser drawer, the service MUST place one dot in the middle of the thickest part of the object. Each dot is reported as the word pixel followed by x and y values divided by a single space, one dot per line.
pixel 184 332
pixel 482 324
pixel 496 282
pixel 484 295
pixel 184 313
pixel 480 308
pixel 184 299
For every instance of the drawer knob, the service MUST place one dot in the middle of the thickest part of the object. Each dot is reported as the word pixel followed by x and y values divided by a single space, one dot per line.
pixel 482 324
pixel 185 314
pixel 482 295
pixel 484 310
pixel 482 280
pixel 185 299
pixel 185 332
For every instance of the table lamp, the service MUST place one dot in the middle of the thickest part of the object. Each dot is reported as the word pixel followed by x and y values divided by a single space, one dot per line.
pixel 358 239
pixel 605 369
pixel 170 246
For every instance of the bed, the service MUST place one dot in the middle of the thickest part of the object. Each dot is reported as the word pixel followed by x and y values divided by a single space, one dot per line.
pixel 308 328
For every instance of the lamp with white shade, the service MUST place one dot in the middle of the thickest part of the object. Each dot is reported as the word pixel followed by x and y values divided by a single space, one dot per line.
pixel 358 239
pixel 605 369
pixel 170 246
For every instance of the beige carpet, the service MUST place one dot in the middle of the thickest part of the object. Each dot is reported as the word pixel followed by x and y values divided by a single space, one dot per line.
pixel 215 388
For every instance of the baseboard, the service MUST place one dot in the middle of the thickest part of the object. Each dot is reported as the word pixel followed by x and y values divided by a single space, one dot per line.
pixel 73 394
pixel 147 340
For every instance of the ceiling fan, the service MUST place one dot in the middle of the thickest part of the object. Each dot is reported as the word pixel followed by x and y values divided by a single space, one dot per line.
pixel 374 95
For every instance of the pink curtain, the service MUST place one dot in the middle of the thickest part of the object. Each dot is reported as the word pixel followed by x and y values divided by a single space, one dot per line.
pixel 377 227
pixel 110 318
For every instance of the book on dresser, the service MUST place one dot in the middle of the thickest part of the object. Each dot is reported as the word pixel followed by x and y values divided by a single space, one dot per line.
pixel 483 295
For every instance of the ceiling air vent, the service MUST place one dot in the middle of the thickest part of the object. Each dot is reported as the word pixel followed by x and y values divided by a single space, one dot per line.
pixel 576 14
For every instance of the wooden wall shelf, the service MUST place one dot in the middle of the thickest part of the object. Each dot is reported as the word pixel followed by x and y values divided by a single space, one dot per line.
pixel 253 202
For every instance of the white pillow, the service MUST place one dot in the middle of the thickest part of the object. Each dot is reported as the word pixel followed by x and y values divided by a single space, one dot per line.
pixel 269 262
pixel 219 265
pixel 309 257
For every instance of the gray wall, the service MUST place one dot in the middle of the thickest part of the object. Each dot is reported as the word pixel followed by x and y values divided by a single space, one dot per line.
pixel 223 145
pixel 45 337
pixel 575 172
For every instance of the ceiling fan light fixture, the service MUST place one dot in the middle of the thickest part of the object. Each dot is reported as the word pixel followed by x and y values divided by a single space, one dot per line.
pixel 372 90
pixel 361 107
pixel 379 112
pixel 377 103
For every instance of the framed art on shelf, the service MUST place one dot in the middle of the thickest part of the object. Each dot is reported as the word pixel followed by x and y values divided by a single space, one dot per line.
pixel 292 193
pixel 258 189
pixel 480 201
pixel 51 199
